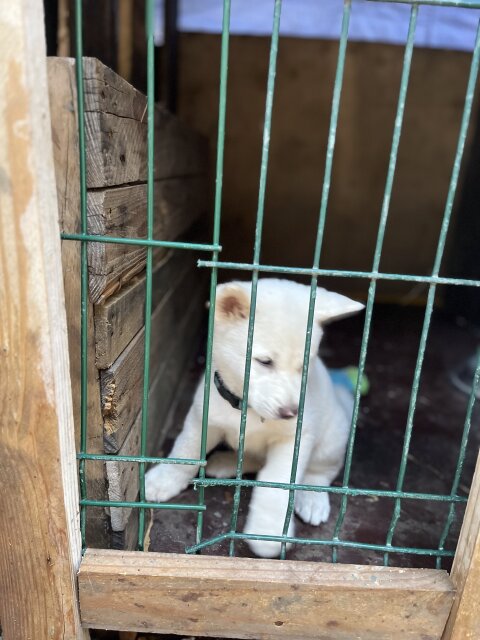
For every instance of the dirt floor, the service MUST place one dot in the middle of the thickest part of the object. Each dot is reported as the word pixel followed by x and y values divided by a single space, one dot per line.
pixel 438 425
pixel 433 454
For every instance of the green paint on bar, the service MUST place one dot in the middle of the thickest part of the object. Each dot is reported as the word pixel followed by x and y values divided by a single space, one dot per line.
pixel 272 66
pixel 222 111
pixel 407 60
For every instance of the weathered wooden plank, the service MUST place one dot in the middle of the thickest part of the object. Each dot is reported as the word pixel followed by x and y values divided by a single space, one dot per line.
pixel 67 171
pixel 122 383
pixel 123 314
pixel 169 421
pixel 245 598
pixel 464 620
pixel 178 202
pixel 163 399
pixel 108 92
pixel 40 545
pixel 123 480
pixel 117 147
pixel 116 133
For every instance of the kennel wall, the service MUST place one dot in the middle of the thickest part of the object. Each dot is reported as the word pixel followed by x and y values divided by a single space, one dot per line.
pixel 116 202
pixel 233 597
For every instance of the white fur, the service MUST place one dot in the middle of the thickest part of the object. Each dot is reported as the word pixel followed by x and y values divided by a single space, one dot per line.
pixel 280 328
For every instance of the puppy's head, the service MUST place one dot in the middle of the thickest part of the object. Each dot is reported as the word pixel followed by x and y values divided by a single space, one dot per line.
pixel 278 341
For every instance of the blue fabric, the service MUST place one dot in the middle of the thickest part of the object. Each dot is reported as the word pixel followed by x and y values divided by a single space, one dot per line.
pixel 438 27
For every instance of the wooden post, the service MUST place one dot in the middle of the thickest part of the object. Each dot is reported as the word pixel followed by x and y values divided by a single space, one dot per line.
pixel 39 533
pixel 464 620
pixel 125 38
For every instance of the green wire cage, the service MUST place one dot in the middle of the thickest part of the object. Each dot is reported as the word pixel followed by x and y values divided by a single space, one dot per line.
pixel 254 269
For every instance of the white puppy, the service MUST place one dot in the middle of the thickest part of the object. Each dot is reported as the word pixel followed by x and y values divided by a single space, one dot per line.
pixel 277 357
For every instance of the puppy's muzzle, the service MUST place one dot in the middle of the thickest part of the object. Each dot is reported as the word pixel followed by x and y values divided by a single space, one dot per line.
pixel 285 413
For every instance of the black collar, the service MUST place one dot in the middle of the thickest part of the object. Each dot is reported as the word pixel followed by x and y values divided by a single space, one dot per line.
pixel 226 394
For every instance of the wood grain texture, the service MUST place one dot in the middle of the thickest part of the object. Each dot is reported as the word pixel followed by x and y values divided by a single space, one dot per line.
pixel 39 536
pixel 122 383
pixel 268 599
pixel 63 97
pixel 165 394
pixel 107 92
pixel 116 134
pixel 122 212
pixel 123 480
pixel 123 314
pixel 464 620
pixel 116 148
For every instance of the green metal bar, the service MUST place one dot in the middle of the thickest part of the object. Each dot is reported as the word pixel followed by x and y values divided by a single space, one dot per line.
pixel 324 543
pixel 222 112
pixel 472 79
pixel 337 92
pixel 467 4
pixel 141 242
pixel 368 275
pixel 148 459
pixel 142 505
pixel 407 61
pixel 461 458
pixel 149 17
pixel 207 543
pixel 256 257
pixel 380 493
pixel 83 260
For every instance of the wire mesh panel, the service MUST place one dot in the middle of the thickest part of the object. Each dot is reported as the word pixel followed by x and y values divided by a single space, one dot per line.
pixel 255 268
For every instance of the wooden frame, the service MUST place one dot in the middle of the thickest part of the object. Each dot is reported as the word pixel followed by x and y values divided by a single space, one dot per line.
pixel 38 473
pixel 245 598
pixel 464 619
pixel 39 541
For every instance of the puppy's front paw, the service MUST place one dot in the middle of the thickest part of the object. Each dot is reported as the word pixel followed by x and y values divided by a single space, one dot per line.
pixel 312 507
pixel 267 524
pixel 162 483
pixel 266 549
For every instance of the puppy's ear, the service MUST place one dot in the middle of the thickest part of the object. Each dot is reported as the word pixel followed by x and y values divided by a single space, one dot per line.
pixel 233 302
pixel 332 306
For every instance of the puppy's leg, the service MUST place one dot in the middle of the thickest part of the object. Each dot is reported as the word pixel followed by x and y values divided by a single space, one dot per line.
pixel 223 464
pixel 268 507
pixel 164 481
pixel 313 507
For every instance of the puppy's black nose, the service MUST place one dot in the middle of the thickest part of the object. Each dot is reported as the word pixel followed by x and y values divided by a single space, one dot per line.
pixel 287 412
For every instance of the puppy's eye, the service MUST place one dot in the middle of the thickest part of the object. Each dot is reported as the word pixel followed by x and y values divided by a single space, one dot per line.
pixel 266 362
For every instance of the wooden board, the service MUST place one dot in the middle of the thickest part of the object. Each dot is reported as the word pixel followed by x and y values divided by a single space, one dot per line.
pixel 123 481
pixel 116 133
pixel 268 599
pixel 464 620
pixel 67 171
pixel 40 545
pixel 116 149
pixel 122 383
pixel 123 314
pixel 122 212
